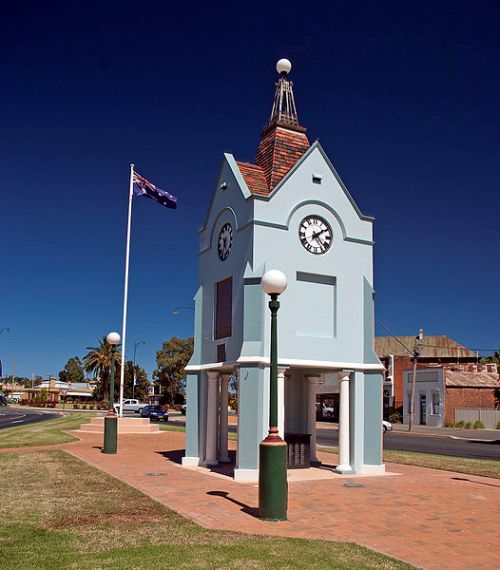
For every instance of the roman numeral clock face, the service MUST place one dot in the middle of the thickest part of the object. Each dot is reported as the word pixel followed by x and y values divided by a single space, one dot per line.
pixel 315 235
pixel 225 241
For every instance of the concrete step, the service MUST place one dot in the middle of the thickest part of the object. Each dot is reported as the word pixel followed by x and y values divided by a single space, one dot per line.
pixel 122 421
pixel 125 425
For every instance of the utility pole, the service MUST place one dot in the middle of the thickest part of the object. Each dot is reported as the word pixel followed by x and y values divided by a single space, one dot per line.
pixel 416 354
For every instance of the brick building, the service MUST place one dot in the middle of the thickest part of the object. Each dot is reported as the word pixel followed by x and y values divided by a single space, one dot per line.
pixel 396 355
pixel 453 392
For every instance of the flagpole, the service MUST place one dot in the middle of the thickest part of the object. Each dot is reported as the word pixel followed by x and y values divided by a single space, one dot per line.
pixel 125 288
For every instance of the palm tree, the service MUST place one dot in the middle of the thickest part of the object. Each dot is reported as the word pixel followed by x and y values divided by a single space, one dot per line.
pixel 98 362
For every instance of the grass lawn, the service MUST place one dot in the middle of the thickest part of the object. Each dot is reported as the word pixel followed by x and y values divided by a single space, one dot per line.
pixel 481 467
pixel 60 513
pixel 43 433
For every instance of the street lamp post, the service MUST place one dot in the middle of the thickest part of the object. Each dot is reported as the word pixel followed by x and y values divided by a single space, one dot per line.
pixel 134 373
pixel 273 486
pixel 416 354
pixel 111 420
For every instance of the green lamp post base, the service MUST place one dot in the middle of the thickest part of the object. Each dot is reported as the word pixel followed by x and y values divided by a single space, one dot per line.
pixel 273 485
pixel 110 432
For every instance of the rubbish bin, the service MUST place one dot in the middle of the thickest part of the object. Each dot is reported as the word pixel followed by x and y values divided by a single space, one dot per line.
pixel 299 450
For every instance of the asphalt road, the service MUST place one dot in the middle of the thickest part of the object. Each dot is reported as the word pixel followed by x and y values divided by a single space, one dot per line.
pixel 441 445
pixel 11 417
pixel 402 441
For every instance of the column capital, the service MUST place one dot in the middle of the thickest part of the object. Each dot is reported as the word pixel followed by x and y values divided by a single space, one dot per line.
pixel 213 374
pixel 282 370
pixel 345 374
pixel 313 378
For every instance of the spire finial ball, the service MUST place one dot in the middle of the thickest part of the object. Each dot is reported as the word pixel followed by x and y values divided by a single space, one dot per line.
pixel 283 66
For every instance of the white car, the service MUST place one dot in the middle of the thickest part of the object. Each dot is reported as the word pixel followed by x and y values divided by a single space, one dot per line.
pixel 386 426
pixel 130 405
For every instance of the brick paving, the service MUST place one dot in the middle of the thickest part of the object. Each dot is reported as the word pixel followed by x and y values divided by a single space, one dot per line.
pixel 433 519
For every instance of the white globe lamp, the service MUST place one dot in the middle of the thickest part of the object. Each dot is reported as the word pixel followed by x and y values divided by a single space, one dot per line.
pixel 113 339
pixel 274 282
pixel 283 66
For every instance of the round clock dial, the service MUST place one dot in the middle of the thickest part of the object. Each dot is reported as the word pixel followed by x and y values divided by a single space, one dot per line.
pixel 315 234
pixel 225 241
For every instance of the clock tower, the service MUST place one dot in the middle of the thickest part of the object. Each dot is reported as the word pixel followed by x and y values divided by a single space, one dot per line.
pixel 287 210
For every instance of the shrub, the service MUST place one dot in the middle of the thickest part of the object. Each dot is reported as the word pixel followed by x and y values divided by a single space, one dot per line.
pixel 76 407
pixel 478 424
pixel 84 407
pixel 498 425
pixel 460 424
pixel 395 418
pixel 468 425
pixel 449 423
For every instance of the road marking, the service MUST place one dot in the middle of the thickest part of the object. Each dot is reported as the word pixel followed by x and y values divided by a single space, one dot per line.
pixel 17 422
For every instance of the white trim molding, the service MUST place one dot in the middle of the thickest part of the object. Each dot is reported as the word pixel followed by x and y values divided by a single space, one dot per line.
pixel 287 363
pixel 190 461
pixel 246 475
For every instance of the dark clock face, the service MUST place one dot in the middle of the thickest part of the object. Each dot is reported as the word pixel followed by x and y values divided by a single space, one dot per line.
pixel 315 235
pixel 225 241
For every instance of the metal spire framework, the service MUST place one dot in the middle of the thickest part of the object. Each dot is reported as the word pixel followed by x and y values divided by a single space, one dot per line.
pixel 284 110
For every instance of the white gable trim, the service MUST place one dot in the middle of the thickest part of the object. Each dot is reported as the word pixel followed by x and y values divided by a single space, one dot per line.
pixel 298 164
pixel 229 159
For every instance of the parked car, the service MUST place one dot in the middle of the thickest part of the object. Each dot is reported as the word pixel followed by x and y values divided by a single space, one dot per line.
pixel 183 408
pixel 386 426
pixel 130 405
pixel 154 413
pixel 3 401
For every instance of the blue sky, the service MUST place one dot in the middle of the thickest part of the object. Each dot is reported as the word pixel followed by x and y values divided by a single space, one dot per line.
pixel 402 95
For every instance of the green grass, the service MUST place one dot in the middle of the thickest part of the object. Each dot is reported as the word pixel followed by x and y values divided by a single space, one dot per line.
pixel 43 433
pixel 481 467
pixel 69 515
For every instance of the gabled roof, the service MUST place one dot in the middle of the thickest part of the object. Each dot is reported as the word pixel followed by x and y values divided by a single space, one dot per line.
pixel 431 346
pixel 280 148
pixel 254 177
pixel 471 379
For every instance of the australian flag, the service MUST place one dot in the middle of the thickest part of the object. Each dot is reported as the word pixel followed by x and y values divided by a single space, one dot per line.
pixel 143 187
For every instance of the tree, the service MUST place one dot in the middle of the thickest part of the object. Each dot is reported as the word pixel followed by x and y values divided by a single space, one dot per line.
pixel 73 371
pixel 98 362
pixel 495 359
pixel 140 391
pixel 171 361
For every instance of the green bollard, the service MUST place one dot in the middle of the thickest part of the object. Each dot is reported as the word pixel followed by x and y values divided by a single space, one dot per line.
pixel 110 433
pixel 273 485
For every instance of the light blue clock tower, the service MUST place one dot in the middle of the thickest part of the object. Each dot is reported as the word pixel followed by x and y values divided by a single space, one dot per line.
pixel 289 210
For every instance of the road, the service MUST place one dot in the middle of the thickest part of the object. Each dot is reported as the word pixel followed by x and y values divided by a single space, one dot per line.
pixel 402 441
pixel 441 445
pixel 11 417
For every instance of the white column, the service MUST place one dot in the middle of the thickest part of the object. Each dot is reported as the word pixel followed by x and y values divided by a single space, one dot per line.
pixel 313 381
pixel 211 443
pixel 344 465
pixel 224 401
pixel 281 402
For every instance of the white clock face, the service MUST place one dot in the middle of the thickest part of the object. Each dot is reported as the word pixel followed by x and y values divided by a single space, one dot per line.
pixel 315 234
pixel 225 241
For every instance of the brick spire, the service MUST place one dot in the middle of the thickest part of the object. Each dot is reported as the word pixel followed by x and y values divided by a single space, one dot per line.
pixel 283 141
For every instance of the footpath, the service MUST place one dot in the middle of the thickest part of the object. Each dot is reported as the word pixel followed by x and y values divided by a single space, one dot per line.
pixel 436 520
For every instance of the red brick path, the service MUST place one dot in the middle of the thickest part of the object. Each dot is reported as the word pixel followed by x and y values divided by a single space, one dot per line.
pixel 433 519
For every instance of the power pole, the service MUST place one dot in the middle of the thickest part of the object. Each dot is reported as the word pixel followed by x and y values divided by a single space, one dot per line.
pixel 416 354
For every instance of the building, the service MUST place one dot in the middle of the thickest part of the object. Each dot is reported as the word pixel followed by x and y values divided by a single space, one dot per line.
pixel 289 210
pixel 55 390
pixel 454 392
pixel 395 352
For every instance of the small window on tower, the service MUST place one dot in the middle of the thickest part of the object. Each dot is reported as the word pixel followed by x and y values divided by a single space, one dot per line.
pixel 317 178
pixel 223 308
